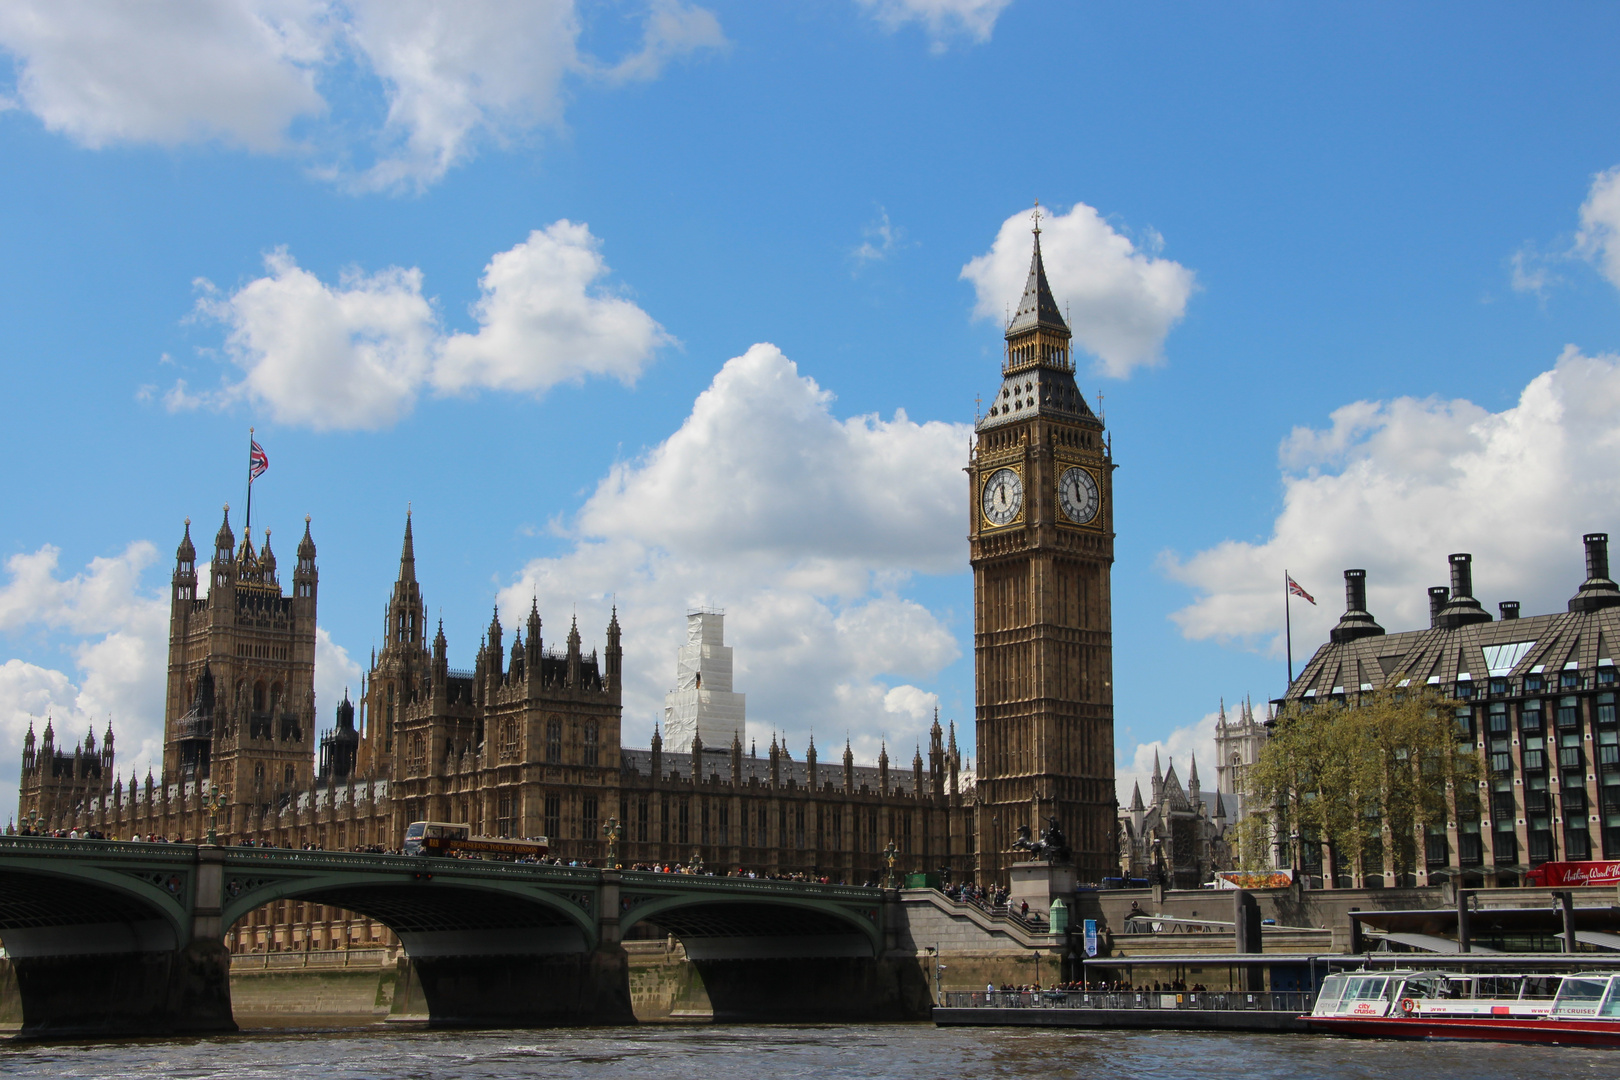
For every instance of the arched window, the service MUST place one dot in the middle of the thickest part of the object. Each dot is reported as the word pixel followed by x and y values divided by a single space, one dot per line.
pixel 590 743
pixel 275 698
pixel 258 696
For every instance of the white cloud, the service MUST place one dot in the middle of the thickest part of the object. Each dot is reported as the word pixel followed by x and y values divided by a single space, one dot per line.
pixel 357 355
pixel 878 240
pixel 1122 300
pixel 672 30
pixel 335 675
pixel 269 74
pixel 940 19
pixel 1393 487
pixel 540 323
pixel 1599 236
pixel 171 72
pixel 800 525
pixel 1184 745
pixel 353 356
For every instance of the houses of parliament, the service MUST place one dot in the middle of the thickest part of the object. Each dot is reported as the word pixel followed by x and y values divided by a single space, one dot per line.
pixel 527 741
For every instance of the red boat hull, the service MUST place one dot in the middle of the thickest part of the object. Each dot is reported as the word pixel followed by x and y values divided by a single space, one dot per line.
pixel 1483 1029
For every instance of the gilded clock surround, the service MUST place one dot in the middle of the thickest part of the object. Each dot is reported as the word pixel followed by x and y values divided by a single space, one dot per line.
pixel 1017 468
pixel 1042 624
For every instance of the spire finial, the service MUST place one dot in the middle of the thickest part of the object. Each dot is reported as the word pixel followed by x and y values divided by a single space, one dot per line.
pixel 1035 216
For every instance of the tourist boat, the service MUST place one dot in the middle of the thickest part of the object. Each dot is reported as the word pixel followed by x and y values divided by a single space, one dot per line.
pixel 1581 1009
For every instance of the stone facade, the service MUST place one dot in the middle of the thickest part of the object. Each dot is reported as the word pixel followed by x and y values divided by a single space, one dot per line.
pixel 1535 700
pixel 1177 838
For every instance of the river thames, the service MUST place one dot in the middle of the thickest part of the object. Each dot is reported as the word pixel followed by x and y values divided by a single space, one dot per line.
pixel 782 1053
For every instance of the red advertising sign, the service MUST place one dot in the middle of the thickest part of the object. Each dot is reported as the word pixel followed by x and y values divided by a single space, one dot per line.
pixel 1563 875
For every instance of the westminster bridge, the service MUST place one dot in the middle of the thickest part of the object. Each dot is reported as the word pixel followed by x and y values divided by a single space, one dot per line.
pixel 108 937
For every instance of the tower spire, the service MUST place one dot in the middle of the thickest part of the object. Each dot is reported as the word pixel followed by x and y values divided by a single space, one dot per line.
pixel 1037 308
pixel 407 554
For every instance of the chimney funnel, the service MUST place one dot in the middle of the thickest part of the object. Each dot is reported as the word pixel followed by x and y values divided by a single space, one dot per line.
pixel 1597 555
pixel 1462 608
pixel 1355 590
pixel 1462 576
pixel 1437 600
pixel 1356 621
pixel 1597 591
pixel 1509 609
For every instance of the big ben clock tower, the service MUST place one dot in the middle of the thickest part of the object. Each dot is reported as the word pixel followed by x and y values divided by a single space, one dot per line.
pixel 1042 544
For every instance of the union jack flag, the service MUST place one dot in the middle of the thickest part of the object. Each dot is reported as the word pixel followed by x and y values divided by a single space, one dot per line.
pixel 1293 587
pixel 257 461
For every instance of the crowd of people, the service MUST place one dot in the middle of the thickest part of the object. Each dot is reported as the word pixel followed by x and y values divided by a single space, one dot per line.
pixel 1101 986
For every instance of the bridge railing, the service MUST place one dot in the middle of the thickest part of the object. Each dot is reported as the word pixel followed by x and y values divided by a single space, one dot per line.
pixel 650 879
pixel 1287 1001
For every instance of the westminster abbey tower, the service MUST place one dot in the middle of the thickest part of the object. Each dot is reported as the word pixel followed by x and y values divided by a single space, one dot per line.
pixel 1042 545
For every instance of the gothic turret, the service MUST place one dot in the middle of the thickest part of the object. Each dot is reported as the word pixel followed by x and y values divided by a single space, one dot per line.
pixel 811 780
pixel 185 568
pixel 573 653
pixel 697 760
pixel 776 762
pixel 267 562
pixel 916 773
pixel 305 576
pixel 883 767
pixel 493 651
pixel 849 769
pixel 614 660
pixel 657 753
pixel 736 758
pixel 224 562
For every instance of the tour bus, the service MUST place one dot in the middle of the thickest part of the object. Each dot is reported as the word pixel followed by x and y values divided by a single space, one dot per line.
pixel 445 838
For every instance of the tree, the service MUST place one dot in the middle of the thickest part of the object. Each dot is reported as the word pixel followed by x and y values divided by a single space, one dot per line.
pixel 1367 778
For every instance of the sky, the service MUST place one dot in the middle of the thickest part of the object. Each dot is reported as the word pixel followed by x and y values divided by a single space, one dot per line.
pixel 663 304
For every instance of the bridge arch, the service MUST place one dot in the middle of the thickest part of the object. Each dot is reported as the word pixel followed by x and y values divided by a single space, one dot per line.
pixel 432 913
pixel 62 908
pixel 725 926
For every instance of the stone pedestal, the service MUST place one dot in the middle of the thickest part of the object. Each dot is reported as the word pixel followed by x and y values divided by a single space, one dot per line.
pixel 1040 883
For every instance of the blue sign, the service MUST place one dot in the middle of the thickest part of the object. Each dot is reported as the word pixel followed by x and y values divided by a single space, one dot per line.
pixel 1091 937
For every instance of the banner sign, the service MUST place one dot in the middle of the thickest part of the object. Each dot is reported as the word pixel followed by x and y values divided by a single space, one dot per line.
pixel 1556 875
pixel 1091 937
pixel 1243 879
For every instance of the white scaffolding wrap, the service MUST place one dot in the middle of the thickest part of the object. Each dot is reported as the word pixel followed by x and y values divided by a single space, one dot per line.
pixel 702 702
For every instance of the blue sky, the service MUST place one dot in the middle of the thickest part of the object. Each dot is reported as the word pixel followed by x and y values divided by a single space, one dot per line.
pixel 667 303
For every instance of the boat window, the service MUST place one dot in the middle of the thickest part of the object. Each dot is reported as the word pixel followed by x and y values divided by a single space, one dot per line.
pixel 1366 988
pixel 1580 995
pixel 1328 997
pixel 1611 1004
pixel 1497 987
pixel 1540 987
pixel 1423 987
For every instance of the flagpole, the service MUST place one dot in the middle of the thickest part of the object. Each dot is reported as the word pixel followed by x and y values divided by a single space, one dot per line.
pixel 247 529
pixel 1288 622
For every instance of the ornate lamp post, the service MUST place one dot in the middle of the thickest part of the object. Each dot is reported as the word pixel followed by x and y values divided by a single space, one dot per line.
pixel 890 857
pixel 612 831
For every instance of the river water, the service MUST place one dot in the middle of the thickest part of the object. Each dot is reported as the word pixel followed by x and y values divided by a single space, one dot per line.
pixel 786 1053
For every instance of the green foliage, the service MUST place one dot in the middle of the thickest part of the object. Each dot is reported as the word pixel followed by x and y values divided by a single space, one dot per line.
pixel 1362 778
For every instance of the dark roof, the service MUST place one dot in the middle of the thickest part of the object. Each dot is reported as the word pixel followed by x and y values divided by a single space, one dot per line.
pixel 717 762
pixel 1036 307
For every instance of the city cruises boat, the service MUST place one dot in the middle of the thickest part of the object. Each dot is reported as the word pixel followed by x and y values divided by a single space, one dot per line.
pixel 1581 1009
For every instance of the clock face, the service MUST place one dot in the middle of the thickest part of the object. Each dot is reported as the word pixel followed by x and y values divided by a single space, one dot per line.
pixel 1003 497
pixel 1078 496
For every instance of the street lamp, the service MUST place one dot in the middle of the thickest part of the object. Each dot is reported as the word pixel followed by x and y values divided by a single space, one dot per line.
pixel 1037 959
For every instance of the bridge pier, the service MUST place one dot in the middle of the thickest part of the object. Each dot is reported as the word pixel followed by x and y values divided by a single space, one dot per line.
pixel 559 990
pixel 816 990
pixel 131 972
